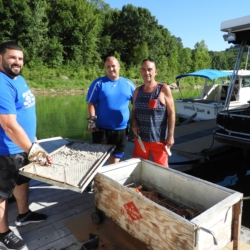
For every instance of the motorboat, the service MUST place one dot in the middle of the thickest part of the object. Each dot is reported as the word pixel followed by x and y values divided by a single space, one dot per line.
pixel 213 95
pixel 234 125
pixel 234 128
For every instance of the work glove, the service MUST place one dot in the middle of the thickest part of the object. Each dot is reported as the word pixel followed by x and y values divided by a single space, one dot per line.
pixel 37 154
pixel 92 124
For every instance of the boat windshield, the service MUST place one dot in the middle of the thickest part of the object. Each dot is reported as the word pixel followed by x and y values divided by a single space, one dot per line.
pixel 246 81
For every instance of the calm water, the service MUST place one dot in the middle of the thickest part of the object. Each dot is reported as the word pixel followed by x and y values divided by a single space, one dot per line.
pixel 66 116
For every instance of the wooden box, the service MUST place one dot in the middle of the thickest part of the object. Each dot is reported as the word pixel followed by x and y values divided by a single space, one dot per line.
pixel 217 224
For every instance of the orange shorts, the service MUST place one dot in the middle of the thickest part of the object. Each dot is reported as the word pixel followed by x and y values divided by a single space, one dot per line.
pixel 156 149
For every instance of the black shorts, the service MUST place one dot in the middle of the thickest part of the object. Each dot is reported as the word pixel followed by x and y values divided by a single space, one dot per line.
pixel 9 176
pixel 112 137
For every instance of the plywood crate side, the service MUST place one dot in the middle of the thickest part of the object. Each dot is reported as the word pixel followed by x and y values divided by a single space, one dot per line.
pixel 216 220
pixel 220 220
pixel 220 226
pixel 147 221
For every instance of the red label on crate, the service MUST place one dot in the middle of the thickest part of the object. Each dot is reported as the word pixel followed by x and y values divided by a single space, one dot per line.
pixel 132 211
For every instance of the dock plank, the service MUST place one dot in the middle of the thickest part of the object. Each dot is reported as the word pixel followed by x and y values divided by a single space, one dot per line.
pixel 60 205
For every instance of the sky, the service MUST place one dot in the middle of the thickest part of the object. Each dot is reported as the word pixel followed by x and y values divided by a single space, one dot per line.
pixel 192 20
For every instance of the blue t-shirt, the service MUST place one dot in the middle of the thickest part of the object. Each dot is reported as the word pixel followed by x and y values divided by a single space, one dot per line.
pixel 111 100
pixel 16 98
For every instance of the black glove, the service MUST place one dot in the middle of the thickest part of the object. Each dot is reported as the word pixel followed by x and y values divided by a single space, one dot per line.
pixel 37 154
pixel 92 124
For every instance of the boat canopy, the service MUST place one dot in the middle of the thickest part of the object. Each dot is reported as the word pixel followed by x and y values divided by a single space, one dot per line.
pixel 210 74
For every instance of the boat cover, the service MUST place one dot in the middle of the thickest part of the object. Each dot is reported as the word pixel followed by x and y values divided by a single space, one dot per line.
pixel 210 74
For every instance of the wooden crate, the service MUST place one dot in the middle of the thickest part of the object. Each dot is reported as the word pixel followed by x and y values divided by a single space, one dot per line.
pixel 218 223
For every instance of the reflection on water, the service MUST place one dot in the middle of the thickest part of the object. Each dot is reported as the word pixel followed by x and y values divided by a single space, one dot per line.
pixel 232 172
pixel 229 181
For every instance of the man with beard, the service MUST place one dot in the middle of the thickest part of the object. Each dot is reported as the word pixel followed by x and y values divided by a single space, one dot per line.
pixel 17 143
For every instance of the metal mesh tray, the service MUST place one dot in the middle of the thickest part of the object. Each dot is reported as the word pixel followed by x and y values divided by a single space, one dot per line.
pixel 74 165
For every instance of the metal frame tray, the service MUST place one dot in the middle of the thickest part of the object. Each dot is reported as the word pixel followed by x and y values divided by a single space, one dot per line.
pixel 75 163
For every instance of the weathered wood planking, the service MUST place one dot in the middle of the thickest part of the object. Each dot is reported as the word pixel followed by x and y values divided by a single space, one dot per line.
pixel 153 227
pixel 157 226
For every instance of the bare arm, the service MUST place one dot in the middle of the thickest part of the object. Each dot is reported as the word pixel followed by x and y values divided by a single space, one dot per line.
pixel 15 132
pixel 169 101
pixel 91 109
pixel 135 126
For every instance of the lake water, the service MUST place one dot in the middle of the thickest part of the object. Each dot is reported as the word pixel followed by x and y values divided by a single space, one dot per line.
pixel 62 115
pixel 66 116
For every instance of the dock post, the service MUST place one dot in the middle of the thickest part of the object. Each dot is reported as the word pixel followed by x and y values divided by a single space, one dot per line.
pixel 237 224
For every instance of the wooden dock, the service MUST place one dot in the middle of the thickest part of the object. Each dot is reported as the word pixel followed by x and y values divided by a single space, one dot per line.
pixel 64 207
pixel 68 220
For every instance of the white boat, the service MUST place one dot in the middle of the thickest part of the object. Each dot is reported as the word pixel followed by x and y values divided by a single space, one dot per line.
pixel 214 94
pixel 234 125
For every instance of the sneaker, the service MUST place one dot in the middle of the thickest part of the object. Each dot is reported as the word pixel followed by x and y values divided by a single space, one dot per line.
pixel 11 242
pixel 31 217
pixel 90 188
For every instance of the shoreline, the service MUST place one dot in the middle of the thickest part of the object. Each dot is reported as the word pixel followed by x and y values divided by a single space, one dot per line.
pixel 35 91
pixel 59 92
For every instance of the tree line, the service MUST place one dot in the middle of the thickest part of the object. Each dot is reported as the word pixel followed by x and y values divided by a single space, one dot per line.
pixel 80 34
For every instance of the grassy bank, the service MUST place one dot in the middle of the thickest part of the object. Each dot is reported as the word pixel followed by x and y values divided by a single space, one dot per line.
pixel 66 79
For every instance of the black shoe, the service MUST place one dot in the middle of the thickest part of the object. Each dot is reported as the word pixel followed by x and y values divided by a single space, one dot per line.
pixel 90 188
pixel 11 242
pixel 31 217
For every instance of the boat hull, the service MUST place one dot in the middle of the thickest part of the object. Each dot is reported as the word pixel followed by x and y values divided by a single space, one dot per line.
pixel 204 110
pixel 234 128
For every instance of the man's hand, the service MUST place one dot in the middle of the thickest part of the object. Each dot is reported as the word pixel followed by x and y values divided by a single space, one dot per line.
pixel 38 155
pixel 136 129
pixel 92 124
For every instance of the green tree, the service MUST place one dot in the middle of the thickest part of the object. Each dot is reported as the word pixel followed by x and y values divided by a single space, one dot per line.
pixel 36 40
pixel 185 61
pixel 131 28
pixel 200 56
pixel 15 19
pixel 219 60
pixel 138 53
pixel 76 24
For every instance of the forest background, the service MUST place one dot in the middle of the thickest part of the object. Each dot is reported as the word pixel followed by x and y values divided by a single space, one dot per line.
pixel 66 42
